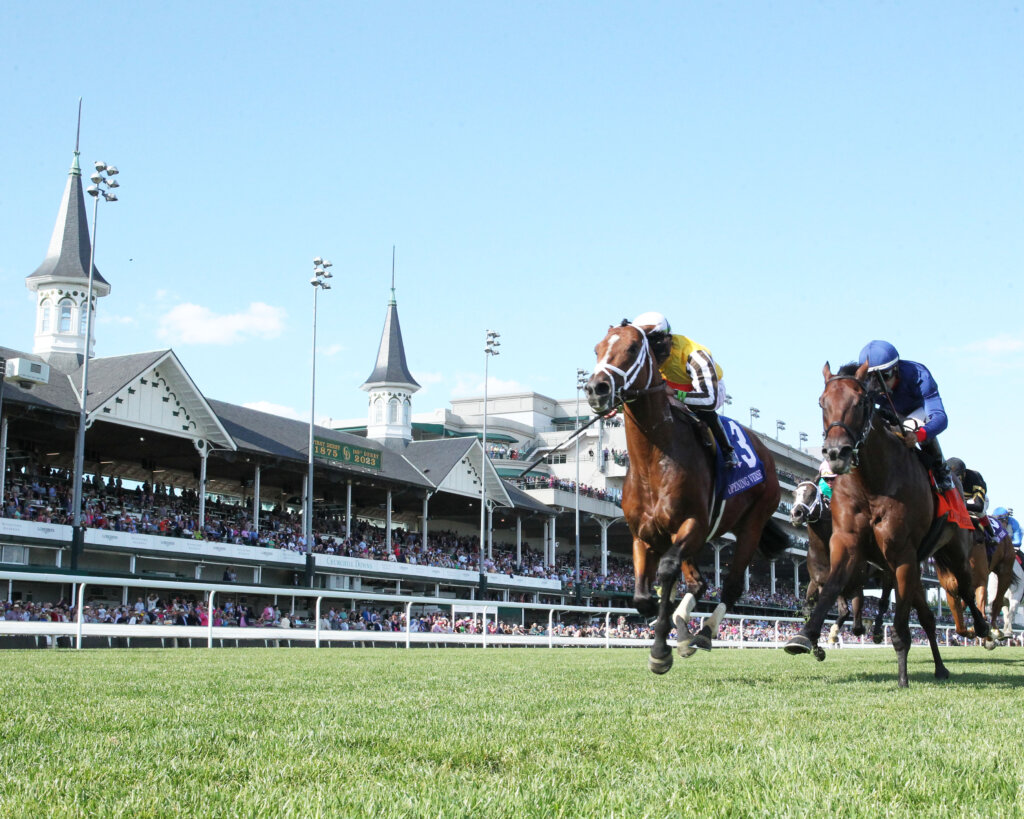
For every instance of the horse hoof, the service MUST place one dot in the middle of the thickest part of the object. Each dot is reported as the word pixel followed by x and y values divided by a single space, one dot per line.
pixel 859 631
pixel 819 654
pixel 989 644
pixel 660 666
pixel 833 635
pixel 701 641
pixel 942 673
pixel 686 650
pixel 877 639
pixel 798 645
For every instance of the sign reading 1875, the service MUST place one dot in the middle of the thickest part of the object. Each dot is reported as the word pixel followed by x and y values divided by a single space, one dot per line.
pixel 346 454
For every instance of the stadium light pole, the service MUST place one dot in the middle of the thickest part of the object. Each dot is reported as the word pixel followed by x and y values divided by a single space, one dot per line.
pixel 803 439
pixel 103 184
pixel 754 413
pixel 779 426
pixel 490 348
pixel 3 429
pixel 319 282
pixel 581 381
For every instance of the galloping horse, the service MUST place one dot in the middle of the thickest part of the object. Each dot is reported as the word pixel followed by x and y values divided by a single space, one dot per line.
pixel 810 509
pixel 883 511
pixel 668 494
pixel 1000 564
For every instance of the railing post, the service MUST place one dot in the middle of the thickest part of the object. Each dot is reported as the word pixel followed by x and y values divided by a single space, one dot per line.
pixel 483 621
pixel 551 628
pixel 743 624
pixel 319 600
pixel 777 635
pixel 608 630
pixel 408 622
pixel 209 619
pixel 81 612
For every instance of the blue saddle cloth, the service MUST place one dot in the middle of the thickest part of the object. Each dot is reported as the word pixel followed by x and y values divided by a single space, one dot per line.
pixel 749 473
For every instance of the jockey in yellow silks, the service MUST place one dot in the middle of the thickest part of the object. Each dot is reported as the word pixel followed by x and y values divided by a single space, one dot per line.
pixel 691 371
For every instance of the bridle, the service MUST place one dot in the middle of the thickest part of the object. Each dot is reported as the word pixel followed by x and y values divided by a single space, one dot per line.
pixel 631 375
pixel 816 505
pixel 869 411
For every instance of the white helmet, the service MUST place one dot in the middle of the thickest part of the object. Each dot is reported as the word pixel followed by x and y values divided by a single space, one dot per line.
pixel 825 471
pixel 655 321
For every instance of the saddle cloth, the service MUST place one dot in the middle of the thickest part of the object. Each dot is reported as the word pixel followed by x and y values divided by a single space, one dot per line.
pixel 952 502
pixel 749 473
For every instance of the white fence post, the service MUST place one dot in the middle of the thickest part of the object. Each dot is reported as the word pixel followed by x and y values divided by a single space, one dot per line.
pixel 319 600
pixel 408 623
pixel 209 619
pixel 81 612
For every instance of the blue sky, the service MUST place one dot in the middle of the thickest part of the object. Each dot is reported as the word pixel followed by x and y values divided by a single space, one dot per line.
pixel 786 181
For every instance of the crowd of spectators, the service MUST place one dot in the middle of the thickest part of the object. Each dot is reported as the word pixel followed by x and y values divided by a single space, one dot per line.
pixel 551 482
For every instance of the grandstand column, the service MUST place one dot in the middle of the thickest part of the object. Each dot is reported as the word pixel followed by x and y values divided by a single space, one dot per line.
pixel 746 579
pixel 718 564
pixel 256 499
pixel 348 510
pixel 387 527
pixel 423 527
pixel 3 448
pixel 203 451
pixel 604 524
pixel 519 540
pixel 771 566
pixel 552 545
pixel 490 532
pixel 796 577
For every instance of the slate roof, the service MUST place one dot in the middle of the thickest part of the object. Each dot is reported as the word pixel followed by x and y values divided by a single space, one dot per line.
pixel 391 367
pixel 108 376
pixel 68 253
pixel 270 434
pixel 57 395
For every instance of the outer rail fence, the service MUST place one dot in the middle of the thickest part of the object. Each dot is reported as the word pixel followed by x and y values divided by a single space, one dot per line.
pixel 122 634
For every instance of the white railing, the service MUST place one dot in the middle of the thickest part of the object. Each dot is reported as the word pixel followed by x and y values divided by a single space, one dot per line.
pixel 318 636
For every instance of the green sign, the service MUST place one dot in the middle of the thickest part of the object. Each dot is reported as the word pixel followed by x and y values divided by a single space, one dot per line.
pixel 346 454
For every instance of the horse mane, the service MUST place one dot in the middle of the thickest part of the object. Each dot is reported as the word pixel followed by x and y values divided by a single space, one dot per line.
pixel 850 368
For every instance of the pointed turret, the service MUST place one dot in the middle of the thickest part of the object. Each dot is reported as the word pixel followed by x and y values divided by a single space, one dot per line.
pixel 390 386
pixel 61 282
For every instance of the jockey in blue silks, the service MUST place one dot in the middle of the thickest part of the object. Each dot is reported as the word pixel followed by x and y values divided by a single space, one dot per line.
pixel 914 394
pixel 1005 517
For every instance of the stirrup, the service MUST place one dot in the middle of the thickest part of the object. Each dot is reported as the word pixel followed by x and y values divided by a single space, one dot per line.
pixel 731 460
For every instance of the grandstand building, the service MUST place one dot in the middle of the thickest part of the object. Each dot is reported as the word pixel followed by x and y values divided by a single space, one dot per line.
pixel 179 486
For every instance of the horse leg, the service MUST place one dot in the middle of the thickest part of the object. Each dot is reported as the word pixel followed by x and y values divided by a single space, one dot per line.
pixel 844 557
pixel 906 574
pixel 837 626
pixel 660 660
pixel 956 607
pixel 643 574
pixel 857 603
pixel 810 599
pixel 1003 578
pixel 695 587
pixel 927 620
pixel 878 627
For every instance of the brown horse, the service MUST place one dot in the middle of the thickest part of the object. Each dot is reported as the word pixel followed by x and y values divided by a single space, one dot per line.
pixel 668 493
pixel 883 511
pixel 811 510
pixel 1000 564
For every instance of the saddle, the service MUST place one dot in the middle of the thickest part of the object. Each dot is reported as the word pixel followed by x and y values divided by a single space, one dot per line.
pixel 687 415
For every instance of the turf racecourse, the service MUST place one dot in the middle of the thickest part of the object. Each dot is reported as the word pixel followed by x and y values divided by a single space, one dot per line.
pixel 507 732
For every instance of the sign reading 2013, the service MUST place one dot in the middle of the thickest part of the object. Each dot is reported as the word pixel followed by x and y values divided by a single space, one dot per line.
pixel 346 454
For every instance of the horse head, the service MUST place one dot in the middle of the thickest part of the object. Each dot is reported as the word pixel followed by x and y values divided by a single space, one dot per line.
pixel 625 368
pixel 846 412
pixel 806 504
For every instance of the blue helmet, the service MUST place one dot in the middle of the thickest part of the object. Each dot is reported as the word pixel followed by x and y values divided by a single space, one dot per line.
pixel 1001 512
pixel 879 355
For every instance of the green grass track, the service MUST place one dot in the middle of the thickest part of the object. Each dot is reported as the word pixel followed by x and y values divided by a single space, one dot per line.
pixel 507 733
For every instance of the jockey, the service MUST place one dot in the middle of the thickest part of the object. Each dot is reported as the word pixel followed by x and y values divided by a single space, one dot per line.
pixel 689 369
pixel 974 487
pixel 825 478
pixel 914 395
pixel 1005 517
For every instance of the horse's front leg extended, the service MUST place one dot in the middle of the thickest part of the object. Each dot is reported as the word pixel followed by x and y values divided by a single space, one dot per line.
pixel 844 558
pixel 660 660
pixel 857 604
pixel 644 567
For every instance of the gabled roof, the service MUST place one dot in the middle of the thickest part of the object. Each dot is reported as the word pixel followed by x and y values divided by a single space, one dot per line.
pixel 391 368
pixel 58 394
pixel 261 432
pixel 68 254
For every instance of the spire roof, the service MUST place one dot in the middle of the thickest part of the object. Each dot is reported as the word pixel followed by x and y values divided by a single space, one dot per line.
pixel 68 254
pixel 391 368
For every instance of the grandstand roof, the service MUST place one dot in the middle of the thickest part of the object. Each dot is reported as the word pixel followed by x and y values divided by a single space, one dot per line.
pixel 391 368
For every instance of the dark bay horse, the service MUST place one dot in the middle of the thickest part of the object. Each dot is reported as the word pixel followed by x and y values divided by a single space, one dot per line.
pixel 882 511
pixel 668 492
pixel 809 509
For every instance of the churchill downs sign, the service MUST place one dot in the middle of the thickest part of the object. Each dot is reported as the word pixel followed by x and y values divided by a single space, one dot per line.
pixel 346 454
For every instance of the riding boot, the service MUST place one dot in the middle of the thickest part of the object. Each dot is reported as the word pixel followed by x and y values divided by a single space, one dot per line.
pixel 932 457
pixel 714 422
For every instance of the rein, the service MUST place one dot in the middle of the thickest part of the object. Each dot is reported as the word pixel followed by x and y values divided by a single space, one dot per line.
pixel 858 437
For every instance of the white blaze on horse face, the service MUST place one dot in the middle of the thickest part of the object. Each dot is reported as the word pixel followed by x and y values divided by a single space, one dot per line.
pixel 607 353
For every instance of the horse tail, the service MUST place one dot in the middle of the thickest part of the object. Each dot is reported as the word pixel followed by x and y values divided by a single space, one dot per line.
pixel 774 540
